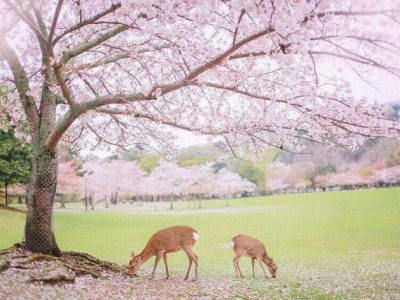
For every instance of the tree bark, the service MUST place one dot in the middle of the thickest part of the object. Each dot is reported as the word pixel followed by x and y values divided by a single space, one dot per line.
pixel 39 235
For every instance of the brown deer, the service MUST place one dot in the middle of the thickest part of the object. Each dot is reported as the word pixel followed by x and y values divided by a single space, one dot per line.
pixel 249 246
pixel 171 239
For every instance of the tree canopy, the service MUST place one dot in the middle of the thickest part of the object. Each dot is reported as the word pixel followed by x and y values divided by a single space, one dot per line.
pixel 255 73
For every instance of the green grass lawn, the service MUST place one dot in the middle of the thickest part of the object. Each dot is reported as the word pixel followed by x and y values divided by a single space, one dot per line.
pixel 325 244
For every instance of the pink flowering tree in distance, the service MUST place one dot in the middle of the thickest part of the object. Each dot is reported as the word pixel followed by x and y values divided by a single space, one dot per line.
pixel 230 183
pixel 166 177
pixel 69 183
pixel 116 177
pixel 91 73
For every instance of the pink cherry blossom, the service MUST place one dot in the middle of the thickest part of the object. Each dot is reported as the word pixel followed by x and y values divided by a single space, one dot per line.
pixel 252 72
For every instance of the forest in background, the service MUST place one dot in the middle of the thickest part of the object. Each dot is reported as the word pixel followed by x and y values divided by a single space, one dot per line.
pixel 199 172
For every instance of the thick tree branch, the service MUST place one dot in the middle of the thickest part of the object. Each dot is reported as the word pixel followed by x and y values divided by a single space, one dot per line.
pixel 21 82
pixel 115 99
pixel 79 109
pixel 54 23
pixel 102 62
pixel 191 77
pixel 225 55
pixel 63 86
pixel 82 48
pixel 86 46
pixel 237 25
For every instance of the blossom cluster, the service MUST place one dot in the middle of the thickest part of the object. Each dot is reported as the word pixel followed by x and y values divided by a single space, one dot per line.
pixel 252 72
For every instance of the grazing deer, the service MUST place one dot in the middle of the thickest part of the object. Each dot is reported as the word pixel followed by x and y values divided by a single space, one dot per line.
pixel 249 246
pixel 171 239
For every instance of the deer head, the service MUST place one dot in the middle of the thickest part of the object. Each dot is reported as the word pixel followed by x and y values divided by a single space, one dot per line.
pixel 272 267
pixel 134 263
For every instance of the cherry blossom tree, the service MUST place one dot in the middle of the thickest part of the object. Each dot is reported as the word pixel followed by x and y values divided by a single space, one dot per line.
pixel 296 177
pixel 165 180
pixel 391 175
pixel 91 73
pixel 118 177
pixel 276 173
pixel 200 181
pixel 228 184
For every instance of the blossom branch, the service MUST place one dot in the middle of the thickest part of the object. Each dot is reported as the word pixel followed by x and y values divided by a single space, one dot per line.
pixel 54 23
pixel 24 16
pixel 86 46
pixel 80 109
pixel 113 8
pixel 360 61
pixel 225 55
pixel 237 25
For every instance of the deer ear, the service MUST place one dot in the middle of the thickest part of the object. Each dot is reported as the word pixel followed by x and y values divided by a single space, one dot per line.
pixel 132 253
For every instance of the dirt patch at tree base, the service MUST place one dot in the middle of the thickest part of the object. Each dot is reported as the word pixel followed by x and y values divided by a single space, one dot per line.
pixel 75 275
pixel 52 269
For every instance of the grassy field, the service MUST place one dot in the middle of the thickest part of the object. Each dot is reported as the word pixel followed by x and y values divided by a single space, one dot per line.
pixel 326 245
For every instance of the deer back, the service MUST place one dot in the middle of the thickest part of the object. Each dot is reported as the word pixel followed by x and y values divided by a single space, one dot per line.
pixel 247 245
pixel 173 239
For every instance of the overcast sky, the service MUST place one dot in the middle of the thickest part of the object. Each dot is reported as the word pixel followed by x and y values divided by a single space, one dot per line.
pixel 386 89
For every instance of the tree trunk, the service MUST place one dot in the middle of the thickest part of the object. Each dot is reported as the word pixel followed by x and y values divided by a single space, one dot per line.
pixel 6 191
pixel 39 235
pixel 62 200
pixel 92 200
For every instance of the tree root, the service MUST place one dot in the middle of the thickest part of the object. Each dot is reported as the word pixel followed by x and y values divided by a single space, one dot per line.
pixel 4 264
pixel 12 249
pixel 51 269
pixel 54 279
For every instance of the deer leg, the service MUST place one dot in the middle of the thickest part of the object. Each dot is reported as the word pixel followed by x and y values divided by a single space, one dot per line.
pixel 190 265
pixel 252 264
pixel 166 265
pixel 234 264
pixel 261 265
pixel 237 268
pixel 196 265
pixel 192 258
pixel 158 257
